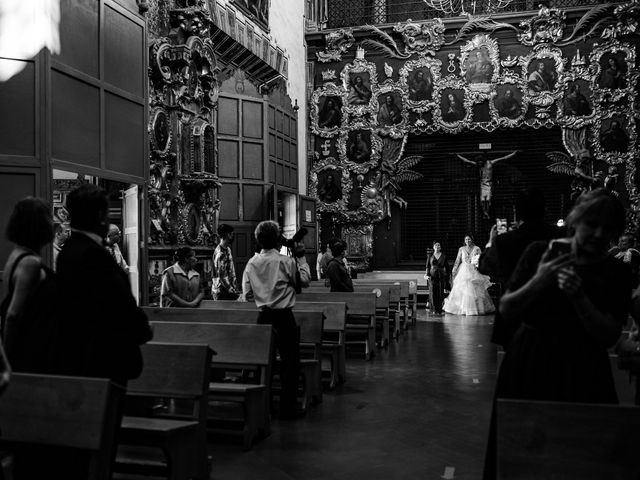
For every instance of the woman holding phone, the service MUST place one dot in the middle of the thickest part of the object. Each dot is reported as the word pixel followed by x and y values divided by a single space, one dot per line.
pixel 571 299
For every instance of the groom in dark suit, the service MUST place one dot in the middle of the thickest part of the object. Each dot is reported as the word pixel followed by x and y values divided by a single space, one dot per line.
pixel 103 328
pixel 503 251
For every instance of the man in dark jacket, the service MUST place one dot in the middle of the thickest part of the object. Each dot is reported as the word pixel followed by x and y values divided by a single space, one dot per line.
pixel 503 251
pixel 337 274
pixel 102 329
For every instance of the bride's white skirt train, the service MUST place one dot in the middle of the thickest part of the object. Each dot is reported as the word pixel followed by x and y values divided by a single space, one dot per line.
pixel 469 294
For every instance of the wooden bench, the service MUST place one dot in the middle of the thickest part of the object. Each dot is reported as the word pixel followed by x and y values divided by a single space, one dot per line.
pixel 181 373
pixel 403 304
pixel 237 346
pixel 310 323
pixel 333 340
pixel 387 295
pixel 361 315
pixel 395 276
pixel 566 440
pixel 56 411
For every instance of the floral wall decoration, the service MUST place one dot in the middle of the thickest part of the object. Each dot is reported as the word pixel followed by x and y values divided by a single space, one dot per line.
pixel 577 71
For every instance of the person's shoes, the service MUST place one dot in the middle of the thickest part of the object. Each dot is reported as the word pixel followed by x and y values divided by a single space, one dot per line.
pixel 292 415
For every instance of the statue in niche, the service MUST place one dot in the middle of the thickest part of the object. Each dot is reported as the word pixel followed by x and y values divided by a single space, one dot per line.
pixel 485 167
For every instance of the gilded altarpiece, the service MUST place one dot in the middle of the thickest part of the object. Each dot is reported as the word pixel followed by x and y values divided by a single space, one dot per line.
pixel 183 191
pixel 421 78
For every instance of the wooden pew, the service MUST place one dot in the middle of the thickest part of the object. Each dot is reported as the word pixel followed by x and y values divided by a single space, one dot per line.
pixel 566 440
pixel 333 344
pixel 361 314
pixel 408 276
pixel 386 295
pixel 236 346
pixel 310 323
pixel 403 304
pixel 179 372
pixel 74 412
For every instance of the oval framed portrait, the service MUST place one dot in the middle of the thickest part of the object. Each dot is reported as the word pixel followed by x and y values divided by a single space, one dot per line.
pixel 159 130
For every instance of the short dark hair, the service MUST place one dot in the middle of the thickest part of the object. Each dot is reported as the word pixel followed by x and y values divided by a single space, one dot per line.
pixel 267 234
pixel 224 228
pixel 30 224
pixel 436 241
pixel 182 253
pixel 338 248
pixel 530 204
pixel 87 205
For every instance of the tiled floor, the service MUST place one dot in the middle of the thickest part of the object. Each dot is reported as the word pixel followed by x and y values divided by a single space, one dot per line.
pixel 419 410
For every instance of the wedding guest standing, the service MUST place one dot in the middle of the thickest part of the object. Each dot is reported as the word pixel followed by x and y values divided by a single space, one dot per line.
pixel 437 272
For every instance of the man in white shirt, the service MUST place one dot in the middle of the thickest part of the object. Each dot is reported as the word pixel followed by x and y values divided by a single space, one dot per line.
pixel 271 280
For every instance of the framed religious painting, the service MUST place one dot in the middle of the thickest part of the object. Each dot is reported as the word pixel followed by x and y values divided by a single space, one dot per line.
pixel 541 70
pixel 480 63
pixel 326 110
pixel 359 79
pixel 359 149
pixel 159 130
pixel 391 115
pixel 509 103
pixel 575 106
pixel 418 78
pixel 331 185
pixel 613 137
pixel 612 61
pixel 453 110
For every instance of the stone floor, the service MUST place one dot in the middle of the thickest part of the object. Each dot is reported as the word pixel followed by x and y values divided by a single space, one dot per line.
pixel 419 410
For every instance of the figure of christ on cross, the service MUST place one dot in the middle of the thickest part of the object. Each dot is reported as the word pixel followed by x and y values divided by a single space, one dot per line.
pixel 486 176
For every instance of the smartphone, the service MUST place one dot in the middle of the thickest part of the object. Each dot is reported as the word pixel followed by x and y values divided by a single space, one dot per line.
pixel 558 248
pixel 501 225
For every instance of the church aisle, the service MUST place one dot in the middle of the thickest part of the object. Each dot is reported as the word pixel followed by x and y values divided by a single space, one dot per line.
pixel 419 410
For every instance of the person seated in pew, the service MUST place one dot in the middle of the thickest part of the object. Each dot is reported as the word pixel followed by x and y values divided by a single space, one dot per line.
pixel 337 274
pixel 271 280
pixel 181 282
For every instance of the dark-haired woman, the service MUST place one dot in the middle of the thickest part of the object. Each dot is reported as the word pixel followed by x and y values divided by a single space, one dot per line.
pixel 437 272
pixel 181 282
pixel 30 301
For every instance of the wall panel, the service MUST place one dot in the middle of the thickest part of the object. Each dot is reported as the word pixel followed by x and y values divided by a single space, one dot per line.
pixel 229 207
pixel 123 44
pixel 79 35
pixel 228 155
pixel 124 120
pixel 18 123
pixel 253 202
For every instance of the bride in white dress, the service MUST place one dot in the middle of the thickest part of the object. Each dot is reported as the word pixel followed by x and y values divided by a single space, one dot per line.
pixel 468 294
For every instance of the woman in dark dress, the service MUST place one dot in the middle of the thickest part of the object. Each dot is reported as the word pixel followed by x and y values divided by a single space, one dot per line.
pixel 573 299
pixel 437 272
pixel 29 305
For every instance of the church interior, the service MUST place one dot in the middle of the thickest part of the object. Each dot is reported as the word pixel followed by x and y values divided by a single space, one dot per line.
pixel 373 129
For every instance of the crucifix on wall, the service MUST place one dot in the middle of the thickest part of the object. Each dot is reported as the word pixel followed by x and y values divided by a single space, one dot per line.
pixel 485 167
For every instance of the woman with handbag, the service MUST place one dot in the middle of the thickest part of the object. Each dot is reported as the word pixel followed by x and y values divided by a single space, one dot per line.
pixel 437 273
